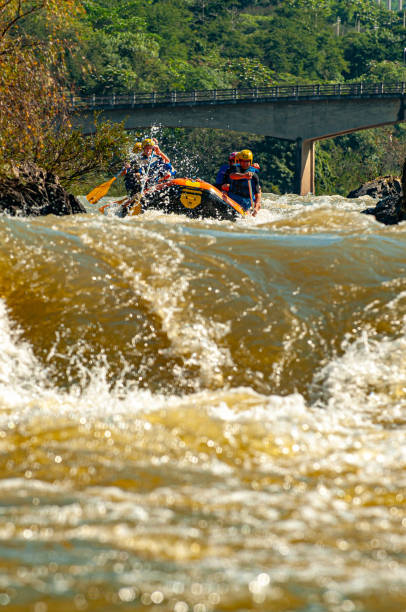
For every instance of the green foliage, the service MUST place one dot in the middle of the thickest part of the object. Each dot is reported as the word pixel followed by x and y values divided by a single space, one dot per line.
pixel 34 120
pixel 121 62
pixel 146 45
pixel 362 49
pixel 115 17
pixel 198 74
pixel 384 72
pixel 347 161
pixel 194 44
pixel 243 72
pixel 71 155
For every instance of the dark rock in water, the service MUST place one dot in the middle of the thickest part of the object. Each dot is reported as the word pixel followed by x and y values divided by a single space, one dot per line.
pixel 388 211
pixel 379 188
pixel 391 209
pixel 34 192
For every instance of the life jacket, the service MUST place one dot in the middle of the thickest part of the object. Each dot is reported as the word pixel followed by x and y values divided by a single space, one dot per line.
pixel 221 173
pixel 240 185
pixel 169 169
pixel 144 170
pixel 131 180
pixel 154 169
pixel 253 168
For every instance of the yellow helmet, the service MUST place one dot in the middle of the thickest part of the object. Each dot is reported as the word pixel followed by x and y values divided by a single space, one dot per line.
pixel 148 142
pixel 244 155
pixel 137 147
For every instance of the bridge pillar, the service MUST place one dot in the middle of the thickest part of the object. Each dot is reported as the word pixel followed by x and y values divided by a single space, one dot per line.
pixel 305 167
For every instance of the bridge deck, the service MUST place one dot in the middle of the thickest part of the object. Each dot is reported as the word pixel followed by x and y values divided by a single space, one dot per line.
pixel 256 94
pixel 299 113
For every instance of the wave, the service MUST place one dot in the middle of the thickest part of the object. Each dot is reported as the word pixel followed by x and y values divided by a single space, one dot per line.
pixel 175 305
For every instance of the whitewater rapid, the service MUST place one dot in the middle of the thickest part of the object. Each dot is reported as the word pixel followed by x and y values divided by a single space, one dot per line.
pixel 201 415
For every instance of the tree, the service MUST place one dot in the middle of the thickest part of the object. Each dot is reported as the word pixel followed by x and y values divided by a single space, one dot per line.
pixel 362 49
pixel 34 118
pixel 313 8
pixel 384 72
pixel 30 94
pixel 247 72
pixel 74 156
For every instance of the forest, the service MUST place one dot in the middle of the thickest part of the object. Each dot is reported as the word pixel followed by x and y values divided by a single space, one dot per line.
pixel 50 49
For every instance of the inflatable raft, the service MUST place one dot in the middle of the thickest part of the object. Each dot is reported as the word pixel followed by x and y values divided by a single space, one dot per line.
pixel 194 198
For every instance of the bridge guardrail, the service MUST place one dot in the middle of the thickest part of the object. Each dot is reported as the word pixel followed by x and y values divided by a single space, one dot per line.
pixel 238 95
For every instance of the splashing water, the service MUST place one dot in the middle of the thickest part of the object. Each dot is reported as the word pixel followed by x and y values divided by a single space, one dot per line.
pixel 203 416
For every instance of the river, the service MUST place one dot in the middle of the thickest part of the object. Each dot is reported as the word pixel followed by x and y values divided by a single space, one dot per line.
pixel 204 416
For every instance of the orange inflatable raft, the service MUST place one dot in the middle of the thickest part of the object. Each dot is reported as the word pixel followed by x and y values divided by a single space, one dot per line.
pixel 191 197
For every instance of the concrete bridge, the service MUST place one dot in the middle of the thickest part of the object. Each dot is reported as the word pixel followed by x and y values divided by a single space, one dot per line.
pixel 298 113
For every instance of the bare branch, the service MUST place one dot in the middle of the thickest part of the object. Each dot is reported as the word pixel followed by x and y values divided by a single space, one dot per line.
pixel 19 16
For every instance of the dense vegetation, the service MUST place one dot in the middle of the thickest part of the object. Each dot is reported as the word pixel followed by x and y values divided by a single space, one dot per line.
pixel 35 37
pixel 145 45
pixel 206 44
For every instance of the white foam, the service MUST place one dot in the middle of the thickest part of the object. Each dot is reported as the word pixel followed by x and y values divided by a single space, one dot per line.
pixel 369 376
pixel 18 365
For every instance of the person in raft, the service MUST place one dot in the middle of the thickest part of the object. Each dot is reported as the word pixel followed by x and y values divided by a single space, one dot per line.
pixel 137 149
pixel 234 167
pixel 131 168
pixel 223 169
pixel 243 182
pixel 150 166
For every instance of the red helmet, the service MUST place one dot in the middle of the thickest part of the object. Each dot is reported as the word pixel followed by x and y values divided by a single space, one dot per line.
pixel 232 155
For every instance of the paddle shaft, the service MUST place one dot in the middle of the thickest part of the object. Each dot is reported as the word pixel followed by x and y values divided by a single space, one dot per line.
pixel 250 191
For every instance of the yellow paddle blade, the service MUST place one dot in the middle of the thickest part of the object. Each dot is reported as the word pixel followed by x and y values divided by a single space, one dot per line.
pixel 133 205
pixel 98 192
pixel 135 209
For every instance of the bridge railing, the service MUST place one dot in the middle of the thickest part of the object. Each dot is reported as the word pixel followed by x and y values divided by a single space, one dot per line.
pixel 238 95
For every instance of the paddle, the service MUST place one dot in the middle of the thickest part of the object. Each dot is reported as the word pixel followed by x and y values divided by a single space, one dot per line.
pixel 251 198
pixel 98 192
pixel 132 204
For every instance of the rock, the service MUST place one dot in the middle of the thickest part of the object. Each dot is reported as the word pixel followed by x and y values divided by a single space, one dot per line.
pixel 379 188
pixel 391 209
pixel 34 192
pixel 387 211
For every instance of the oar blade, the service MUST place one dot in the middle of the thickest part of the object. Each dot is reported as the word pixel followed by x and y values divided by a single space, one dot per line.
pixel 125 207
pixel 98 192
pixel 135 208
